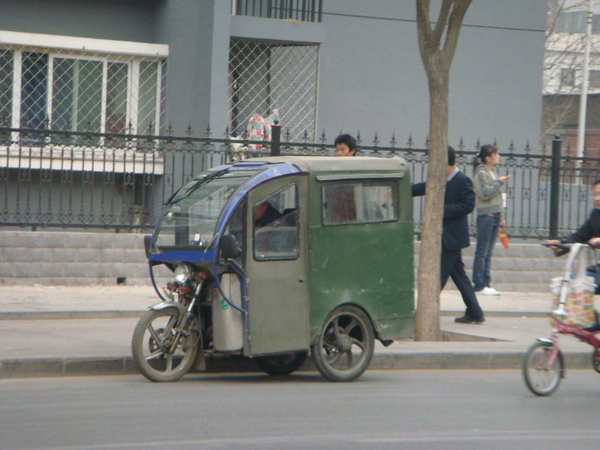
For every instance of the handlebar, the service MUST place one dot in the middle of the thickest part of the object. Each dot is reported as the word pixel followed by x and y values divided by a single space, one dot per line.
pixel 563 248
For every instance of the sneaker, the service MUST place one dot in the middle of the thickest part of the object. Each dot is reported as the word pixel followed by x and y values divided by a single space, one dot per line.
pixel 469 319
pixel 489 291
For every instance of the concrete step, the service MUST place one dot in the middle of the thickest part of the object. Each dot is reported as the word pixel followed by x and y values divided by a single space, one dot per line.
pixel 61 258
pixel 82 258
pixel 524 267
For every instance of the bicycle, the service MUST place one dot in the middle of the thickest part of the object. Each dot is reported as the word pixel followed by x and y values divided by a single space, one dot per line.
pixel 543 364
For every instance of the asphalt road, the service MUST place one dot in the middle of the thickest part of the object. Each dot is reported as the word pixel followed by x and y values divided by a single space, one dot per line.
pixel 442 409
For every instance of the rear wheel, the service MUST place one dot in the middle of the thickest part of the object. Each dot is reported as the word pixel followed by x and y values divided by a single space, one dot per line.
pixel 345 346
pixel 282 364
pixel 153 345
pixel 543 368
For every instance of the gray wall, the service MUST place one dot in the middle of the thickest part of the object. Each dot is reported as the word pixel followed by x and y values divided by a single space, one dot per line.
pixel 128 20
pixel 372 77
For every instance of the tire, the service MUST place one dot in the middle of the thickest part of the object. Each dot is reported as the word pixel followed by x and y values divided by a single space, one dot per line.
pixel 345 345
pixel 596 360
pixel 541 377
pixel 152 339
pixel 281 365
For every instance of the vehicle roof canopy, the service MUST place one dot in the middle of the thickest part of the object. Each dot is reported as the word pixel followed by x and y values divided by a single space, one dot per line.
pixel 321 165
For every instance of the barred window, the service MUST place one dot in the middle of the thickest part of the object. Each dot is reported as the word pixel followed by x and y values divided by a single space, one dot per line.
pixel 82 85
pixel 269 76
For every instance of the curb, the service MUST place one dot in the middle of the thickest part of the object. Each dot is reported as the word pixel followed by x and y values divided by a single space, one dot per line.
pixel 468 360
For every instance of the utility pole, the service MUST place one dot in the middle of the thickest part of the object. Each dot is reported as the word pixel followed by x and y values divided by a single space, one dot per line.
pixel 584 84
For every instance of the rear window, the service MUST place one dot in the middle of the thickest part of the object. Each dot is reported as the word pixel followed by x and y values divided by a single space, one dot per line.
pixel 355 202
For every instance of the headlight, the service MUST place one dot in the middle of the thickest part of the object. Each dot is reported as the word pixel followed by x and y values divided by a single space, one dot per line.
pixel 183 273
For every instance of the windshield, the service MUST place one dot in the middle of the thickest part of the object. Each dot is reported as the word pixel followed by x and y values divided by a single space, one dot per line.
pixel 191 218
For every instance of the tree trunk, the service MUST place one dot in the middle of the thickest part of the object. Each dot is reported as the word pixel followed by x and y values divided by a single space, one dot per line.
pixel 437 59
pixel 427 323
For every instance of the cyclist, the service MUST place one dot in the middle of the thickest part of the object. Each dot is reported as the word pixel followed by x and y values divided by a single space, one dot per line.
pixel 588 233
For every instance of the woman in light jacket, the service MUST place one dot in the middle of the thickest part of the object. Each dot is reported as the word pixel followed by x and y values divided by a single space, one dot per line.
pixel 488 208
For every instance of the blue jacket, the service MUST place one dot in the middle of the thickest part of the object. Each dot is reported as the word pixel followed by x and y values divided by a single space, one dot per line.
pixel 459 202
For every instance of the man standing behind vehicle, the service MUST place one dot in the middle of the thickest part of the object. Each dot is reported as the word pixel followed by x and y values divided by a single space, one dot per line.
pixel 459 202
pixel 345 145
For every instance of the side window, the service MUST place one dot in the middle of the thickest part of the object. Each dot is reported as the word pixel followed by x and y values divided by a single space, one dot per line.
pixel 360 202
pixel 276 226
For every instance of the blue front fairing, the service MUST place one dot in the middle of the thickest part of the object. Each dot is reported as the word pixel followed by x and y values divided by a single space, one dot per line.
pixel 180 256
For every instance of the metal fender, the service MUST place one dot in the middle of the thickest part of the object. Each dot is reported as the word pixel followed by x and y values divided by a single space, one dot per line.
pixel 166 305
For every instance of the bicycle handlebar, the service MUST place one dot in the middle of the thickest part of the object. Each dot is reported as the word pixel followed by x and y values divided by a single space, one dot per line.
pixel 563 248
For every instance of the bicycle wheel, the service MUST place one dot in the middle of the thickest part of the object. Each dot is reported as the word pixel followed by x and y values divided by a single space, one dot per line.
pixel 543 368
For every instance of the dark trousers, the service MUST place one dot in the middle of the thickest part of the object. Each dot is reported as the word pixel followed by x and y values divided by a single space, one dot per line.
pixel 453 267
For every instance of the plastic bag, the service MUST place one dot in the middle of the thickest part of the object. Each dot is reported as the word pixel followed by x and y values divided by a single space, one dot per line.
pixel 503 237
pixel 579 304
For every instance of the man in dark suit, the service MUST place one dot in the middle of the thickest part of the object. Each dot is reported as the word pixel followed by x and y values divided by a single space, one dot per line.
pixel 459 202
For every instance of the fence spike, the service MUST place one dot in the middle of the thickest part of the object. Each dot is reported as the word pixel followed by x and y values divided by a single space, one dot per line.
pixel 410 141
pixel 461 144
pixel 478 145
pixel 393 141
pixel 376 140
pixel 358 139
pixel 208 132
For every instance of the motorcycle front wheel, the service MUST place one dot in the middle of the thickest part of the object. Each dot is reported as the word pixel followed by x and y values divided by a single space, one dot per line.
pixel 152 345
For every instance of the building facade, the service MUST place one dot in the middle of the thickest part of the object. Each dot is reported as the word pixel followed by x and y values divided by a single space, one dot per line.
pixel 142 65
pixel 563 74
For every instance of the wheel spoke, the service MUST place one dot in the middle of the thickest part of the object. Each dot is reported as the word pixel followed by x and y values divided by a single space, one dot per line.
pixel 358 343
pixel 351 326
pixel 155 335
pixel 155 355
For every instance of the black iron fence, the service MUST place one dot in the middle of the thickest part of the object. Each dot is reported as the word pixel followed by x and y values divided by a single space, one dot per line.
pixel 55 179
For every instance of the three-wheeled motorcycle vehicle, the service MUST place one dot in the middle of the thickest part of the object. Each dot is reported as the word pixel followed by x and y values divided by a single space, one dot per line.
pixel 275 257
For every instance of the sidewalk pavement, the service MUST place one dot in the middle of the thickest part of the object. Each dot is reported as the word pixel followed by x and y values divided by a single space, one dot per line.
pixel 74 331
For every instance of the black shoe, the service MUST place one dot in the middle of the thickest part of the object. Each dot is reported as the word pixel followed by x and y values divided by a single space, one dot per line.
pixel 469 319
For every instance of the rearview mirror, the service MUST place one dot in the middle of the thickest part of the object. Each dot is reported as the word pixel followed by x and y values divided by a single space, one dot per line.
pixel 229 247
